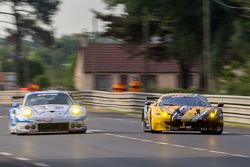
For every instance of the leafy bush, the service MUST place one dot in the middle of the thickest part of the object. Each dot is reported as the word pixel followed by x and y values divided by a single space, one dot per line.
pixel 42 81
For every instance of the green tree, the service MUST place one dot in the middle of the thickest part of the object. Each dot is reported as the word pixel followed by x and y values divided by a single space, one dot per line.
pixel 6 59
pixel 67 48
pixel 178 26
pixel 41 80
pixel 34 66
pixel 30 19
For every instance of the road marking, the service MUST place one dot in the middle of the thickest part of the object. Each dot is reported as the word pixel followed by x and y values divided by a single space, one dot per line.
pixel 3 116
pixel 6 154
pixel 22 159
pixel 199 149
pixel 40 164
pixel 176 145
pixel 118 119
pixel 239 155
pixel 106 118
pixel 93 131
pixel 133 121
pixel 218 152
pixel 239 134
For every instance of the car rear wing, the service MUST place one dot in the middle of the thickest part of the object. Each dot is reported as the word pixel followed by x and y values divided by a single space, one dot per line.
pixel 151 99
pixel 17 97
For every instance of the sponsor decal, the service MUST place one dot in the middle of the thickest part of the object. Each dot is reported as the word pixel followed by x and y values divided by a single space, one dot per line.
pixel 170 109
pixel 184 109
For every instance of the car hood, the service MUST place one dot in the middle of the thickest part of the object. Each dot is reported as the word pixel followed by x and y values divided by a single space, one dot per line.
pixel 187 113
pixel 42 109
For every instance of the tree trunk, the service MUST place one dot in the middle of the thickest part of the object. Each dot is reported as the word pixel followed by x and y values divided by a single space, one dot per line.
pixel 18 49
pixel 185 73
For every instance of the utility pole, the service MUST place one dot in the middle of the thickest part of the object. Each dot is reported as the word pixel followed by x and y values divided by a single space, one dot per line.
pixel 206 46
pixel 145 33
pixel 93 51
pixel 53 58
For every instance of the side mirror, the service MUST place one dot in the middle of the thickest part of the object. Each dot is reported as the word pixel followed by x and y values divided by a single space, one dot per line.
pixel 15 105
pixel 79 102
pixel 220 104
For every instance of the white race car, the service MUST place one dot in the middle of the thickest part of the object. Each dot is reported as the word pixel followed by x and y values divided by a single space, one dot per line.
pixel 47 112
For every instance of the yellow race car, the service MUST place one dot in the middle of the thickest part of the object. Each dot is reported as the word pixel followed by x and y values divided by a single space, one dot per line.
pixel 182 112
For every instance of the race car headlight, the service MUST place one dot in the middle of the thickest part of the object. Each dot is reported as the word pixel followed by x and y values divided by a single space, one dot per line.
pixel 212 115
pixel 76 111
pixel 26 112
pixel 165 114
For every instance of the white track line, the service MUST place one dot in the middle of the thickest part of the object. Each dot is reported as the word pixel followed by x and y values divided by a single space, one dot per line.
pixel 133 121
pixel 198 149
pixel 239 155
pixel 218 152
pixel 40 164
pixel 22 158
pixel 118 119
pixel 179 146
pixel 3 116
pixel 6 154
pixel 93 131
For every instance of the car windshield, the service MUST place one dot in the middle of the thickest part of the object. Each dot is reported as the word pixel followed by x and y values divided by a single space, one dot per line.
pixel 48 98
pixel 184 101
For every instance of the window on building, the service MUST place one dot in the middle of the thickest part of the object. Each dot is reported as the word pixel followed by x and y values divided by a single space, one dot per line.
pixel 124 79
pixel 148 81
pixel 102 82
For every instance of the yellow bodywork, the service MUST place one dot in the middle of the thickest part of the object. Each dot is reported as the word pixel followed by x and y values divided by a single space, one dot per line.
pixel 161 116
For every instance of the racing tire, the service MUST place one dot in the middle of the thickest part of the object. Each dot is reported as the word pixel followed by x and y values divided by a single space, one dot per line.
pixel 144 127
pixel 79 132
pixel 12 133
pixel 84 131
pixel 144 123
pixel 142 116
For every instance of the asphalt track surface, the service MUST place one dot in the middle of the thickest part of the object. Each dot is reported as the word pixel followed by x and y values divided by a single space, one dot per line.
pixel 118 141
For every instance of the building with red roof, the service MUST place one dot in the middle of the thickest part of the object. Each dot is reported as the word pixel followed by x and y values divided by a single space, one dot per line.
pixel 100 65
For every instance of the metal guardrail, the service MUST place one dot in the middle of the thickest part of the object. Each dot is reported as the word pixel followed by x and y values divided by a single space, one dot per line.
pixel 236 109
pixel 6 96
